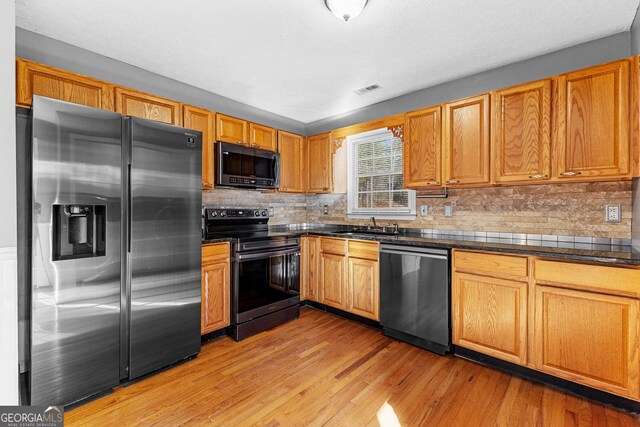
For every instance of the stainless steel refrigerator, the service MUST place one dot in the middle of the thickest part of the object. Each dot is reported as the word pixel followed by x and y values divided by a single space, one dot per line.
pixel 111 244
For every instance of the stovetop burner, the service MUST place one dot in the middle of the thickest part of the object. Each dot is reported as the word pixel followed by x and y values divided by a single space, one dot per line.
pixel 242 224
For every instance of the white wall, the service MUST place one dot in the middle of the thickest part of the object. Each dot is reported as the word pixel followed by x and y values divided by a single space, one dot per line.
pixel 8 226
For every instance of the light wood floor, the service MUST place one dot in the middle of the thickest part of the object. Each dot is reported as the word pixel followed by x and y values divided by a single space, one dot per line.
pixel 322 369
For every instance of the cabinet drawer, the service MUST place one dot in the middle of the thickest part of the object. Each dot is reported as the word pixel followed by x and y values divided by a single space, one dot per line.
pixel 362 249
pixel 494 265
pixel 215 252
pixel 333 245
pixel 608 280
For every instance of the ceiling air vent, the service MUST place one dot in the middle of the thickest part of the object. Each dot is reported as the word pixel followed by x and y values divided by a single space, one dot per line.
pixel 368 89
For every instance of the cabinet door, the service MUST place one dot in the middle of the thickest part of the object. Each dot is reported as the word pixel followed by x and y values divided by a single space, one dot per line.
pixel 204 121
pixel 262 137
pixel 363 289
pixel 320 164
pixel 466 142
pixel 231 129
pixel 37 79
pixel 291 149
pixel 215 296
pixel 422 158
pixel 521 133
pixel 593 123
pixel 490 316
pixel 333 276
pixel 130 102
pixel 313 289
pixel 588 338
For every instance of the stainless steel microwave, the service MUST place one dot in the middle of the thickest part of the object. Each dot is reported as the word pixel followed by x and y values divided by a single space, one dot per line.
pixel 244 167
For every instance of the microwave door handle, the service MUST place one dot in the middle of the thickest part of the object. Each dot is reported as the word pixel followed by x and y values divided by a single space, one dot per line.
pixel 276 171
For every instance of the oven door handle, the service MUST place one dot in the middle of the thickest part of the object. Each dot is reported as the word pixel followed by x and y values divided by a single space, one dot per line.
pixel 267 254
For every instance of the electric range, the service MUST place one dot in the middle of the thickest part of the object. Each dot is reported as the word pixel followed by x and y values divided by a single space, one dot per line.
pixel 265 270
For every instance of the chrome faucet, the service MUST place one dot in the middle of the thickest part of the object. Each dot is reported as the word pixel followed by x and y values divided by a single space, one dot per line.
pixel 395 227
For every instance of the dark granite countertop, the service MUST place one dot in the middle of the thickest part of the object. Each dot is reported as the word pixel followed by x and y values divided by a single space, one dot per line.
pixel 577 251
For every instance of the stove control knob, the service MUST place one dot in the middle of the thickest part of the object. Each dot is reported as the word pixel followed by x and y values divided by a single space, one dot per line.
pixel 223 213
pixel 264 213
pixel 213 214
pixel 257 213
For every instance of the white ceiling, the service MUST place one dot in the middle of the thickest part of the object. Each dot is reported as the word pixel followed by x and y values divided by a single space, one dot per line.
pixel 294 58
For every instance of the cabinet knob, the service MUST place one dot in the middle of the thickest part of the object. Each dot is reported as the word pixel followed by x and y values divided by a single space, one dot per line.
pixel 453 181
pixel 570 173
pixel 538 176
pixel 325 189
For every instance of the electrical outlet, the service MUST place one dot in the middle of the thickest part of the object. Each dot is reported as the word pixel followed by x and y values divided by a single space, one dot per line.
pixel 424 210
pixel 448 210
pixel 613 213
pixel 325 209
pixel 271 212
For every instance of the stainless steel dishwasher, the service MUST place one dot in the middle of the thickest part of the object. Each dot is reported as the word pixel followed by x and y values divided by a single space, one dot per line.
pixel 414 295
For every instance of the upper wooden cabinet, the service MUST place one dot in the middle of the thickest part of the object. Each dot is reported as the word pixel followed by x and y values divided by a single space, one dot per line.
pixel 203 120
pixel 521 133
pixel 291 149
pixel 231 129
pixel 131 102
pixel 593 123
pixel 422 149
pixel 263 137
pixel 466 142
pixel 319 164
pixel 37 79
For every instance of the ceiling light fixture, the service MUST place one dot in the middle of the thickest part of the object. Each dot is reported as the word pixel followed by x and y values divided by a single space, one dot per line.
pixel 346 9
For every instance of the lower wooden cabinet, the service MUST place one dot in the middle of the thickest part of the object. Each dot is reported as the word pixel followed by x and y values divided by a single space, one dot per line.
pixel 333 276
pixel 575 321
pixel 363 295
pixel 490 316
pixel 347 274
pixel 310 269
pixel 216 284
pixel 588 338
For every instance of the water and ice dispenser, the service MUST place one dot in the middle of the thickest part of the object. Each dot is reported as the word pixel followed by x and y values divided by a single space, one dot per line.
pixel 79 231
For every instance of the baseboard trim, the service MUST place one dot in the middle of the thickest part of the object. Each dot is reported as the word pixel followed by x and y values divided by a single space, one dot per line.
pixel 551 381
pixel 341 313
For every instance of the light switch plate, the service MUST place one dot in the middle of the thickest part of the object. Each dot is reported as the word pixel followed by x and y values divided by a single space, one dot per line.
pixel 325 209
pixel 271 212
pixel 613 213
pixel 448 210
pixel 424 210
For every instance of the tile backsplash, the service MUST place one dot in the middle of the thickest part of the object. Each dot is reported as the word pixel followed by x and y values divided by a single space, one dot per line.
pixel 576 209
pixel 288 208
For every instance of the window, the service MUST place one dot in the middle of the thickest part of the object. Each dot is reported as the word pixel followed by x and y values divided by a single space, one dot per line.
pixel 375 185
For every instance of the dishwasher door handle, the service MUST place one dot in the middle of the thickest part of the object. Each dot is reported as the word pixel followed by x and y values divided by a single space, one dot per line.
pixel 422 253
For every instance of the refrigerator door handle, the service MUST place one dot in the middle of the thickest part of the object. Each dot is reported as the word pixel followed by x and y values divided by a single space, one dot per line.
pixel 129 208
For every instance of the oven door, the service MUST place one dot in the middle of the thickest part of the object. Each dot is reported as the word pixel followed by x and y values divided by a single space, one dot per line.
pixel 266 282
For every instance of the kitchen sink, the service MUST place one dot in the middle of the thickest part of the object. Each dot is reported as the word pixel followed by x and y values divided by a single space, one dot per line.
pixel 368 232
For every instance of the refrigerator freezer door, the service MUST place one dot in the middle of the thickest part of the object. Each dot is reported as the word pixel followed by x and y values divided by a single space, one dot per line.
pixel 75 303
pixel 165 246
